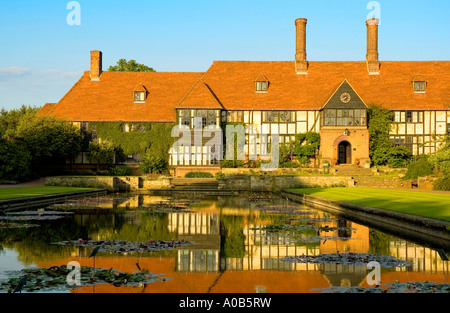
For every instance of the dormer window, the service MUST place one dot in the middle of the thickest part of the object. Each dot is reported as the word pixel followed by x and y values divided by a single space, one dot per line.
pixel 261 83
pixel 261 86
pixel 140 94
pixel 420 86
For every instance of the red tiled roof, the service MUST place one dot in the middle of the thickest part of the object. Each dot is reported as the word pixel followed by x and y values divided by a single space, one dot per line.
pixel 47 108
pixel 111 98
pixel 231 85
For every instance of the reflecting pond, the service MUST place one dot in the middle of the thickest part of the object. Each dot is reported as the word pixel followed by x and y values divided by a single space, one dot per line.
pixel 233 244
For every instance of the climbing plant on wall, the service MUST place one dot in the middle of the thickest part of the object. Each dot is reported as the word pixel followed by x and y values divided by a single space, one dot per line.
pixel 136 138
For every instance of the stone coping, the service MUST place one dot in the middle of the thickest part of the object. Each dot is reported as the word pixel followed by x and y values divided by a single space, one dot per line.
pixel 425 225
pixel 36 201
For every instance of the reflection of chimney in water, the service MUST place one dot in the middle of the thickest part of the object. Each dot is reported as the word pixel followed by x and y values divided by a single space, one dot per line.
pixel 344 230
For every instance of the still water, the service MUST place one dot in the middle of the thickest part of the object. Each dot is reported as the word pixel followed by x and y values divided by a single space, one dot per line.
pixel 238 245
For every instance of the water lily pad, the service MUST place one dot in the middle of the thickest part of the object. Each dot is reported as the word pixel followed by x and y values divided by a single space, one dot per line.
pixel 122 246
pixel 5 225
pixel 32 218
pixel 408 287
pixel 39 212
pixel 55 278
pixel 348 258
pixel 316 239
pixel 418 287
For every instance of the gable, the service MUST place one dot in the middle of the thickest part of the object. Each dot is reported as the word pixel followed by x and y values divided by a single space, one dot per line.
pixel 199 97
pixel 345 97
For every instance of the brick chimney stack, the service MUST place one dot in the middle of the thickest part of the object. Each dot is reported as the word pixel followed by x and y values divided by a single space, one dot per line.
pixel 301 64
pixel 373 64
pixel 96 65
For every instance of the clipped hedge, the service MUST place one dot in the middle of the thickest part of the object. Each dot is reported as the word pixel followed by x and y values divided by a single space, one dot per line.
pixel 198 175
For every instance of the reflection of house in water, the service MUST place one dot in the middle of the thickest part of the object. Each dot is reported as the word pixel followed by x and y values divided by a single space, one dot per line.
pixel 260 250
pixel 203 229
pixel 423 259
pixel 252 247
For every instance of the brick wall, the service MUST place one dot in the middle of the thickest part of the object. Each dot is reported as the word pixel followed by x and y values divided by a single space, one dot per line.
pixel 331 137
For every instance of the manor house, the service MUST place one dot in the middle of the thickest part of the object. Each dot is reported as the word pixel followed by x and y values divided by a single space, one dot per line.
pixel 275 97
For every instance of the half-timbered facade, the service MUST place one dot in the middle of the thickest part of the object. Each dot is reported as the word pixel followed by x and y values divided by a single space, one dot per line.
pixel 280 98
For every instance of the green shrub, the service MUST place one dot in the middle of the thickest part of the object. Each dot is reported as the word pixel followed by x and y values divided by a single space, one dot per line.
pixel 231 163
pixel 441 160
pixel 306 146
pixel 399 157
pixel 289 165
pixel 419 168
pixel 120 171
pixel 442 183
pixel 395 157
pixel 198 175
pixel 220 175
pixel 153 164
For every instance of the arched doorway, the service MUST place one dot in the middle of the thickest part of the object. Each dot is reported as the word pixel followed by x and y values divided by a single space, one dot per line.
pixel 345 153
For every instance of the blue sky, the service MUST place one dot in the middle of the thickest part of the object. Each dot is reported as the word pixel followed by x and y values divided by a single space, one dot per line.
pixel 41 56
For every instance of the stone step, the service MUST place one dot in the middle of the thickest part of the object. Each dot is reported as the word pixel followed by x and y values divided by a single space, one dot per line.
pixel 195 183
pixel 353 171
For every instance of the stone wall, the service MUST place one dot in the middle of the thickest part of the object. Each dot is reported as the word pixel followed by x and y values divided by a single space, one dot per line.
pixel 108 183
pixel 112 184
pixel 279 171
pixel 275 183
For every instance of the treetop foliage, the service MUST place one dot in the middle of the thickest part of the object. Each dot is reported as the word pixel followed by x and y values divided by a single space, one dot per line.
pixel 28 142
pixel 130 66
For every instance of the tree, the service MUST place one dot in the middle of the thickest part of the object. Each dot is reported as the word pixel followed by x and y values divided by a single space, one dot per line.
pixel 48 139
pixel 152 164
pixel 15 161
pixel 27 142
pixel 101 153
pixel 9 120
pixel 130 66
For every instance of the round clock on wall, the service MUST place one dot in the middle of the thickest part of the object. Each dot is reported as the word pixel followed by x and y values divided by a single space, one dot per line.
pixel 345 98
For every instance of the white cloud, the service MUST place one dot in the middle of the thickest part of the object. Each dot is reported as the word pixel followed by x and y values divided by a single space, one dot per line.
pixel 53 73
pixel 14 71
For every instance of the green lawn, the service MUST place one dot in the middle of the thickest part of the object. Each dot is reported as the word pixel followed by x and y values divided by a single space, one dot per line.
pixel 24 192
pixel 427 204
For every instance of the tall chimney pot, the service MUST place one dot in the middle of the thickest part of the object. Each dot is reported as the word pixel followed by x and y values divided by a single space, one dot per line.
pixel 96 65
pixel 301 64
pixel 373 63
